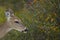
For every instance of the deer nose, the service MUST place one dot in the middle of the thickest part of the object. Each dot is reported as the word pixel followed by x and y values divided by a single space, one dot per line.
pixel 25 31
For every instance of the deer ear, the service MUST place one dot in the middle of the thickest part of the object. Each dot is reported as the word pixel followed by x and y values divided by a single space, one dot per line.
pixel 7 14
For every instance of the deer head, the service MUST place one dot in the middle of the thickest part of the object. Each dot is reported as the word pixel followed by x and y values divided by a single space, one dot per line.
pixel 14 22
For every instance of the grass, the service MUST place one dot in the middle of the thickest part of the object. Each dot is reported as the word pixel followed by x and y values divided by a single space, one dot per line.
pixel 2 16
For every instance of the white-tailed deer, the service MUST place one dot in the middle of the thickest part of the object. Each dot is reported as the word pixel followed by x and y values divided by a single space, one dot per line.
pixel 12 22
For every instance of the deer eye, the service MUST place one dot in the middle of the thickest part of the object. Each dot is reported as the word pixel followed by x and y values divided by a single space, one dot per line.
pixel 16 22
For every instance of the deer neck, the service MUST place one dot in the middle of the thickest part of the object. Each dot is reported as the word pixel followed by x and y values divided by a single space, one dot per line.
pixel 4 28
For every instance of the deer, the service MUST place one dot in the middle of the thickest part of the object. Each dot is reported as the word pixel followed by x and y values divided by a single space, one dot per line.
pixel 12 22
